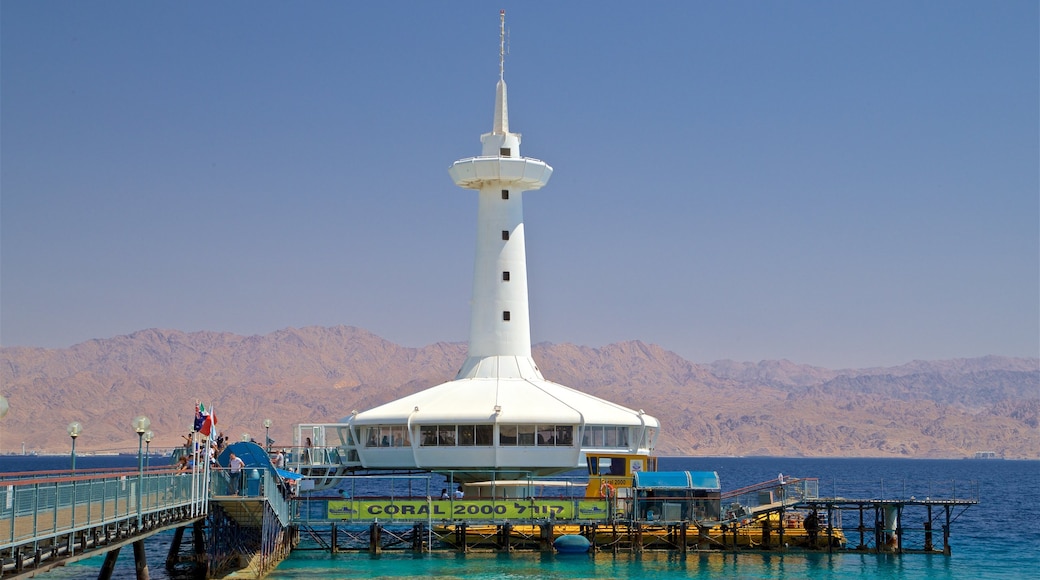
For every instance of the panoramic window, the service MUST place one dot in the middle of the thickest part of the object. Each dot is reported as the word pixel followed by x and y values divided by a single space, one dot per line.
pixel 536 435
pixel 555 435
pixel 456 435
pixel 605 436
pixel 387 436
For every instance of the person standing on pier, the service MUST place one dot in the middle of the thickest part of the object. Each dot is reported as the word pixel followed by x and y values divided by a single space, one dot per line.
pixel 235 467
pixel 812 527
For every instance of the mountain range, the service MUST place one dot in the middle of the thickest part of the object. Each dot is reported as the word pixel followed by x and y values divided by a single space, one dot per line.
pixel 924 409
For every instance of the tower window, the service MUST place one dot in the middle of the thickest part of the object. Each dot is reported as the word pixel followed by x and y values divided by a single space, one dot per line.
pixel 504 151
pixel 505 235
pixel 505 276
pixel 505 194
pixel 505 315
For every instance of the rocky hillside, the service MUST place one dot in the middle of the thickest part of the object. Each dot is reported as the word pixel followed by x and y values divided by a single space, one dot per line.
pixel 922 409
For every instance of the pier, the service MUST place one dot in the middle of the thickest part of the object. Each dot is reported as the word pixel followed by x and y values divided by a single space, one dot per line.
pixel 51 519
pixel 767 516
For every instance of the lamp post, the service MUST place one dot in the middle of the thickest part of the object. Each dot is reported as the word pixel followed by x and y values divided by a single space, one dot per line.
pixel 74 430
pixel 267 434
pixel 140 425
pixel 3 410
pixel 148 435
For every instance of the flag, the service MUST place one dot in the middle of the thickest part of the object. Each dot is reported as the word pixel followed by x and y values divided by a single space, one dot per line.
pixel 204 421
pixel 199 417
pixel 208 422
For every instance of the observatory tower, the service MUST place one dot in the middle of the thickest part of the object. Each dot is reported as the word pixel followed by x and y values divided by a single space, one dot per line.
pixel 499 418
pixel 500 325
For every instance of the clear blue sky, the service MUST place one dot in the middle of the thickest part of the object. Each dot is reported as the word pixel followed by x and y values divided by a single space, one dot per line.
pixel 845 184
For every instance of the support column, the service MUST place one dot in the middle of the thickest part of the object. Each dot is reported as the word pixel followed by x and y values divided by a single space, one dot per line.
pixel 418 533
pixel 946 533
pixel 109 565
pixel 899 528
pixel 460 537
pixel 862 530
pixel 375 533
pixel 830 528
pixel 140 561
pixel 545 541
pixel 505 533
pixel 334 547
pixel 198 542
pixel 928 531
pixel 175 548
pixel 703 540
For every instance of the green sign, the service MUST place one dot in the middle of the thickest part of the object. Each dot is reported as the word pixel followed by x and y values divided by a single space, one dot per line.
pixel 470 509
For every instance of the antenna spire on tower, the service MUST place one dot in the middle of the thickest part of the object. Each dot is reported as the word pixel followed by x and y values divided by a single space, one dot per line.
pixel 502 45
pixel 501 125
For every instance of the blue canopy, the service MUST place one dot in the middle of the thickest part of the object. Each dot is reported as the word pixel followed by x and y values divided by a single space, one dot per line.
pixel 250 453
pixel 706 480
pixel 288 474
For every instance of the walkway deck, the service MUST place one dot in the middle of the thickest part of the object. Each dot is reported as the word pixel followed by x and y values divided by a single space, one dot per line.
pixel 52 519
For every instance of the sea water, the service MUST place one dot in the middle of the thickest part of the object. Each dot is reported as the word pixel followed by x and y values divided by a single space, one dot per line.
pixel 999 538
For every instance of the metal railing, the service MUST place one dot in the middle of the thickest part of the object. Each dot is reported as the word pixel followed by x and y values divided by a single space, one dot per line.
pixel 34 510
pixel 255 482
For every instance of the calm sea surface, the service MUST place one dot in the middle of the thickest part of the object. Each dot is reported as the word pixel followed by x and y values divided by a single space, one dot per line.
pixel 1000 538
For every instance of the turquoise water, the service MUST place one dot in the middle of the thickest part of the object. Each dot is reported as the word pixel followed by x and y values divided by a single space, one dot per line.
pixel 624 566
pixel 1000 538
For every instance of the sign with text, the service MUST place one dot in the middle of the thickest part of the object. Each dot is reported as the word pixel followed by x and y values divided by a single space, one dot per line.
pixel 471 509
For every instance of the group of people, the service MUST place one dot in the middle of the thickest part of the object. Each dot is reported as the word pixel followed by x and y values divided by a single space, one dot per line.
pixel 198 449
pixel 457 494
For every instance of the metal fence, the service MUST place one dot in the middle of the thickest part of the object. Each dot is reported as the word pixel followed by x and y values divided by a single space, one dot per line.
pixel 42 509
pixel 255 482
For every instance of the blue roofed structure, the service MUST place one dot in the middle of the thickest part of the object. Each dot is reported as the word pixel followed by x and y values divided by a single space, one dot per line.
pixel 699 480
pixel 677 496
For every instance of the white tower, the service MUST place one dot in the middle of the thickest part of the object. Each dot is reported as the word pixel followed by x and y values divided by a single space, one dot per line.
pixel 499 415
pixel 500 325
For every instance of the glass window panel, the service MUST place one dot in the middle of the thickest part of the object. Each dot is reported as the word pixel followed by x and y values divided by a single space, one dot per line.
pixel 565 435
pixel 507 434
pixel 622 436
pixel 485 435
pixel 446 435
pixel 611 437
pixel 525 434
pixel 397 436
pixel 546 435
pixel 466 435
pixel 429 435
pixel 372 440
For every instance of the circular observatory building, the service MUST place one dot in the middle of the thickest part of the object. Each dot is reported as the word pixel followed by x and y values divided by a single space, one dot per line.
pixel 499 418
